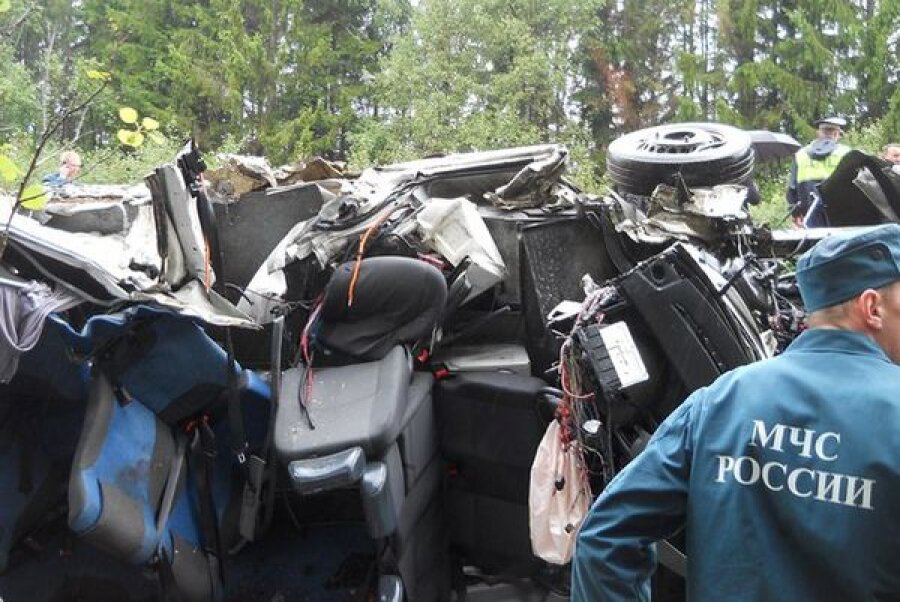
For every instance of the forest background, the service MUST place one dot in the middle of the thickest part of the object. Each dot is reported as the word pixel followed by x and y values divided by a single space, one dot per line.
pixel 375 81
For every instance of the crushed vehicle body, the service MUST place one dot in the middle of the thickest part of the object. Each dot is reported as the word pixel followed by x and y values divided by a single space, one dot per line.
pixel 336 387
pixel 863 190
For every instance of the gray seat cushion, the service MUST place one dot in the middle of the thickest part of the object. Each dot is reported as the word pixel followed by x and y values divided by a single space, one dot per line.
pixel 357 405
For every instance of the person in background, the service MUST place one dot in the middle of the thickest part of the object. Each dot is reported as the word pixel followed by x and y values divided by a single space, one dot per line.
pixel 69 168
pixel 812 164
pixel 783 474
pixel 891 153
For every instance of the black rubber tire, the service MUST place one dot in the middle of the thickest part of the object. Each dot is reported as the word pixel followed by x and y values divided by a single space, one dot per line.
pixel 705 154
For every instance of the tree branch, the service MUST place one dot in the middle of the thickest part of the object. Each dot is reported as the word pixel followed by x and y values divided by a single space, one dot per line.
pixel 52 127
pixel 15 24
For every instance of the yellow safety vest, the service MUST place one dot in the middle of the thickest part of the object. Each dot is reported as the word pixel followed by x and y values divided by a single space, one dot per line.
pixel 809 169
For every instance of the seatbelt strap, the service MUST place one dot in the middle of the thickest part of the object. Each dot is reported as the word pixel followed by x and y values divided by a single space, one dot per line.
pixel 171 489
pixel 203 447
pixel 170 591
pixel 251 470
pixel 238 441
pixel 260 465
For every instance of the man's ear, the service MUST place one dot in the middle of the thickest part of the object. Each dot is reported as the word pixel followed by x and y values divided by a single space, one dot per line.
pixel 869 306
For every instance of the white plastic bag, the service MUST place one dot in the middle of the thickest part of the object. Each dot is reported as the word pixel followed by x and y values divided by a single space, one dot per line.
pixel 558 497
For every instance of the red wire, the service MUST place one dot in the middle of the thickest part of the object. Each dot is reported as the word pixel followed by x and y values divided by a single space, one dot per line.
pixel 563 377
pixel 307 357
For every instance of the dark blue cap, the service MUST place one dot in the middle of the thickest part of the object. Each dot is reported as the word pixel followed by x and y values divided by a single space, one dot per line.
pixel 843 265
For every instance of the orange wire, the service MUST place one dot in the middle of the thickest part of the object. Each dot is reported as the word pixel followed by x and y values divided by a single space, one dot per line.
pixel 207 267
pixel 359 256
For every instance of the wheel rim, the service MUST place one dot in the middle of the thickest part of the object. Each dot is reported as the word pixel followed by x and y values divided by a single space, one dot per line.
pixel 681 141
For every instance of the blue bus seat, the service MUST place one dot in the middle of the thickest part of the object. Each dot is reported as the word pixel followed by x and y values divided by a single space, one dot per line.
pixel 152 379
pixel 118 475
pixel 41 411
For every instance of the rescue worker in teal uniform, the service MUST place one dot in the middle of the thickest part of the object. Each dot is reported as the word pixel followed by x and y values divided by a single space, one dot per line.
pixel 812 164
pixel 783 474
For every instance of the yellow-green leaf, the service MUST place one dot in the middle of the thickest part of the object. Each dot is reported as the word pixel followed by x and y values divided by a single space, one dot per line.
pixel 149 124
pixel 130 138
pixel 128 115
pixel 156 137
pixel 8 169
pixel 34 197
pixel 5 5
pixel 101 75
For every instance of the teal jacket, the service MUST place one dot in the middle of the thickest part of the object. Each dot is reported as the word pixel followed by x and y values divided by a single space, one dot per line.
pixel 784 474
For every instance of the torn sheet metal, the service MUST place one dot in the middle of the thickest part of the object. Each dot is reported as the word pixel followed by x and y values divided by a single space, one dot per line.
pixel 537 185
pixel 309 171
pixel 400 190
pixel 239 175
pixel 105 209
pixel 866 182
pixel 343 217
pixel 706 216
pixel 514 158
pixel 723 201
pixel 76 197
pixel 182 211
pixel 371 192
pixel 104 261
pixel 195 301
pixel 124 267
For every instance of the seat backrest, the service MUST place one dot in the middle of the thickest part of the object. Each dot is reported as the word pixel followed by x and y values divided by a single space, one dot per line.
pixel 172 366
pixel 120 468
pixel 166 361
pixel 371 306
pixel 146 382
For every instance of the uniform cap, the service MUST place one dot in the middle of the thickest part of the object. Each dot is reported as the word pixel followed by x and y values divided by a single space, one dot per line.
pixel 838 122
pixel 843 265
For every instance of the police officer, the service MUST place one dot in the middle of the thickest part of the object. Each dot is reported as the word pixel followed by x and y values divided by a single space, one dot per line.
pixel 784 474
pixel 812 164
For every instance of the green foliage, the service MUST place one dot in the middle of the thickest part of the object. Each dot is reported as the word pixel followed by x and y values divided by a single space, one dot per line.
pixel 34 197
pixel 869 138
pixel 772 209
pixel 377 81
pixel 14 155
pixel 474 75
pixel 19 95
pixel 121 166
pixel 8 169
pixel 134 136
pixel 286 76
